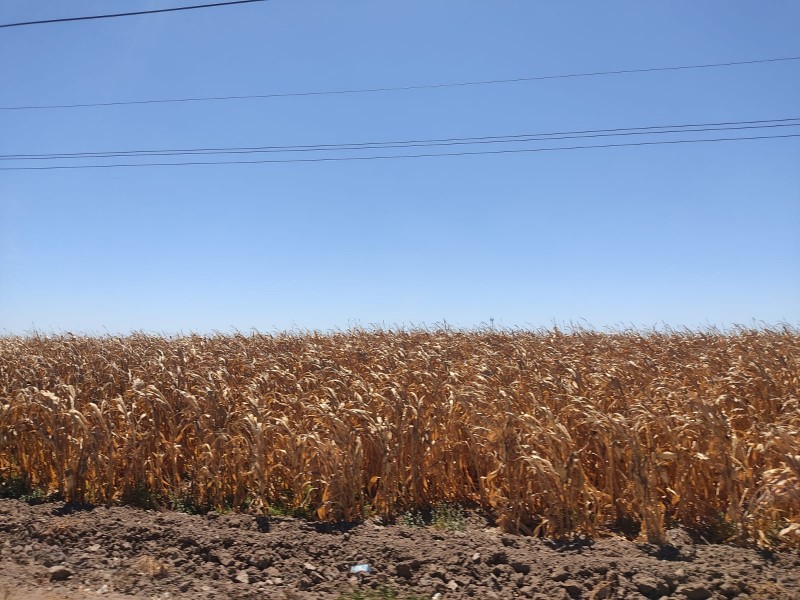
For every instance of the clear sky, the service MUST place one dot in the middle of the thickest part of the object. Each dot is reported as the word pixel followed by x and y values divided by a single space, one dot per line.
pixel 684 235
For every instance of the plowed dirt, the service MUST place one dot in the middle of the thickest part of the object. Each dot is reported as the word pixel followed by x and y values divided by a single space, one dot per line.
pixel 50 551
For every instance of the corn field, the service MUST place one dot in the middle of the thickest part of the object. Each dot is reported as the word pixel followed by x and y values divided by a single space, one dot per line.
pixel 551 433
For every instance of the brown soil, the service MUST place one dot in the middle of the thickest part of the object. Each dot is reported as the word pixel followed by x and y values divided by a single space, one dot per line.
pixel 125 552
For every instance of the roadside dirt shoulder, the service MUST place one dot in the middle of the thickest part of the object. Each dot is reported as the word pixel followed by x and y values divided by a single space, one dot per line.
pixel 49 552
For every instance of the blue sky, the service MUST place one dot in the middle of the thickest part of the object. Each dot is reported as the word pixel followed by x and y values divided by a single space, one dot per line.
pixel 683 235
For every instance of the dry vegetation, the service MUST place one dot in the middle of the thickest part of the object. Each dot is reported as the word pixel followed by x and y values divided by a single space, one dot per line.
pixel 551 433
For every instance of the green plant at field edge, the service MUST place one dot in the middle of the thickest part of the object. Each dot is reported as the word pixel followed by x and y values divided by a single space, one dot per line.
pixel 382 593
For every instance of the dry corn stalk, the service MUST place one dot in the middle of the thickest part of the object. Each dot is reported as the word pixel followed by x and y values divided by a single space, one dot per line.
pixel 553 433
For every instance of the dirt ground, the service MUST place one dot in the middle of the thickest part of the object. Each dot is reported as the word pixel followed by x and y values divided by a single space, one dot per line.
pixel 50 551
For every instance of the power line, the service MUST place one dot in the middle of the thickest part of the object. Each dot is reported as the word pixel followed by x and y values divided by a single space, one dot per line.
pixel 398 88
pixel 516 138
pixel 128 14
pixel 395 156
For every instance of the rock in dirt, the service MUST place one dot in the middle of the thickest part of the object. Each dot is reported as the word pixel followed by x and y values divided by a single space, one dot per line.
pixel 560 574
pixel 261 561
pixel 602 592
pixel 679 546
pixel 242 577
pixel 573 588
pixel 679 576
pixel 309 568
pixel 693 591
pixel 649 586
pixel 521 567
pixel 59 573
pixel 730 589
pixel 404 570
pixel 272 572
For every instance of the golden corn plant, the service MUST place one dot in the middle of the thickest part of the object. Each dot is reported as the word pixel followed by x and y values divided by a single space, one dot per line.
pixel 553 433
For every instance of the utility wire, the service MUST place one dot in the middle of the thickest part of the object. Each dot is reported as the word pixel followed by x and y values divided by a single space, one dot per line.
pixel 400 88
pixel 363 158
pixel 517 138
pixel 128 14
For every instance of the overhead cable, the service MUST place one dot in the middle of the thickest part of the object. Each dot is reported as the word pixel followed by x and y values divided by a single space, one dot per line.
pixel 395 156
pixel 127 14
pixel 372 90
pixel 515 138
